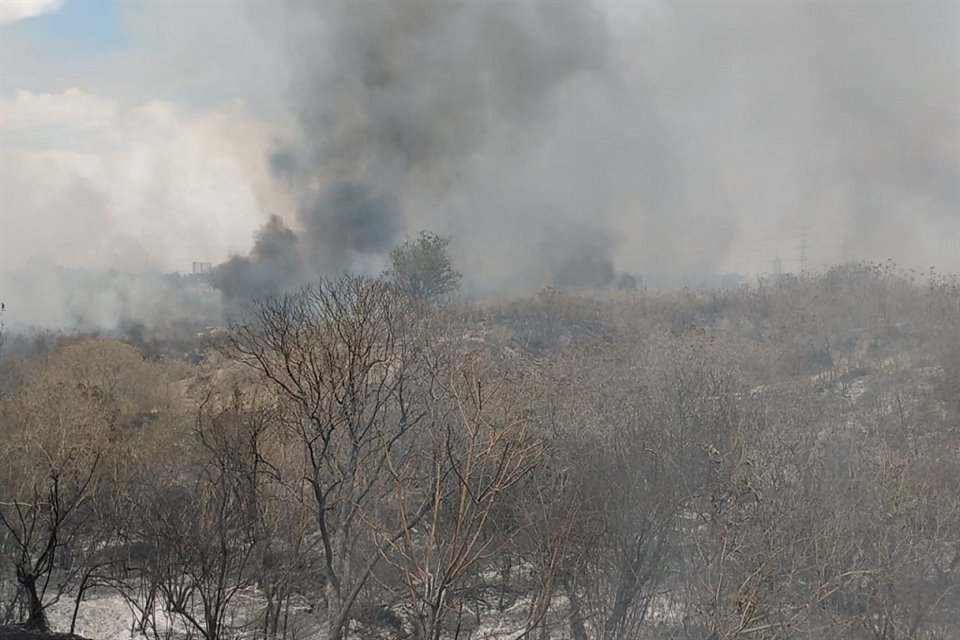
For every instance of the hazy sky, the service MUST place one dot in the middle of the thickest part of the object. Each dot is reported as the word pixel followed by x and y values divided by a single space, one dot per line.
pixel 659 137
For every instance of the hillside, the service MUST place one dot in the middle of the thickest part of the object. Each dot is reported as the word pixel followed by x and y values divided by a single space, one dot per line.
pixel 779 460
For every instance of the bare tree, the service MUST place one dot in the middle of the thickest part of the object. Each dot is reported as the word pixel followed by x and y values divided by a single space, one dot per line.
pixel 42 523
pixel 346 354
pixel 54 444
pixel 449 490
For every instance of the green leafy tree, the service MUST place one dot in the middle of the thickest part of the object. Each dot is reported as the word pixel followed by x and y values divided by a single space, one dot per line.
pixel 423 268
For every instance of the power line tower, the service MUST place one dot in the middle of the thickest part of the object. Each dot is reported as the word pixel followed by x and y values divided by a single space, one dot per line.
pixel 803 248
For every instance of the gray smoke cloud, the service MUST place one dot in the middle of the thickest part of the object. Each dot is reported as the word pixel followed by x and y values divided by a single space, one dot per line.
pixel 562 143
pixel 556 143
pixel 397 101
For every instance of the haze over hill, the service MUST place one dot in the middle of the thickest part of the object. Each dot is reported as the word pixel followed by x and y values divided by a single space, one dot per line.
pixel 553 142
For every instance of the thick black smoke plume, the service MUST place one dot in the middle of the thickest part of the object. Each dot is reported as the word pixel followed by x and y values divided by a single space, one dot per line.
pixel 272 266
pixel 395 101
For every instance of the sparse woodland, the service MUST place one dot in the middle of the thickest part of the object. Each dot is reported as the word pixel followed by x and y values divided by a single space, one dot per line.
pixel 776 461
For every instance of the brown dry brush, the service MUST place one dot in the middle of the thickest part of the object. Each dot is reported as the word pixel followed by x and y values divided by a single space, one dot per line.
pixel 777 461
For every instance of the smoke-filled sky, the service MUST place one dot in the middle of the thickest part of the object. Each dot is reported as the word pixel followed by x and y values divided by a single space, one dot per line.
pixel 553 141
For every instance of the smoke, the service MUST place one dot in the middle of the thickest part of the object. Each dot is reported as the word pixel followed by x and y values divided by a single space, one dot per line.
pixel 273 264
pixel 397 101
pixel 98 198
pixel 105 300
pixel 556 143
pixel 348 222
pixel 562 143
